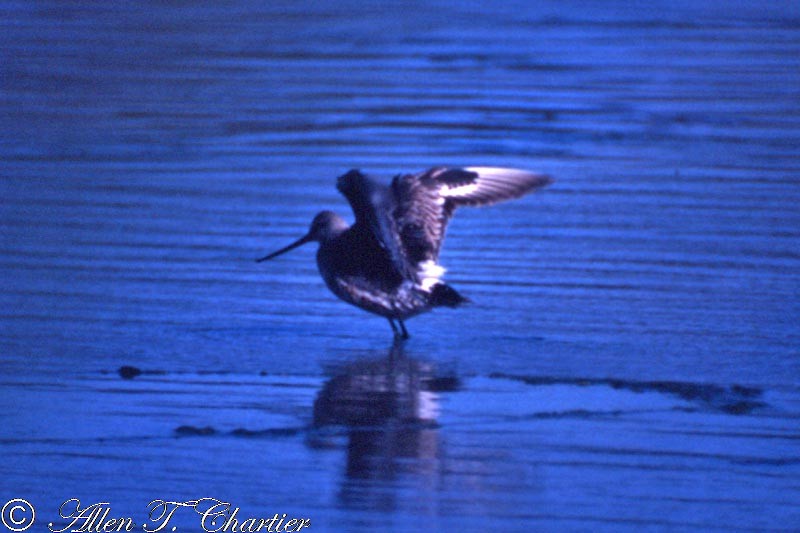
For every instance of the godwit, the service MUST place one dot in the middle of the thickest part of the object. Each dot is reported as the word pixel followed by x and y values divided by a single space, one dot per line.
pixel 387 263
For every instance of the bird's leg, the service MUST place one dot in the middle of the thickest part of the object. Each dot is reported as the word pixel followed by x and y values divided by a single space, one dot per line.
pixel 394 326
pixel 404 331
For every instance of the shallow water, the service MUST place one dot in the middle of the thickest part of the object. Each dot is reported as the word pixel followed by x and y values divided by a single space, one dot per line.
pixel 630 359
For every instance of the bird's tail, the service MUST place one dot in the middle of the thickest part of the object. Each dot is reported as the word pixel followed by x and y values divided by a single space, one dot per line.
pixel 445 295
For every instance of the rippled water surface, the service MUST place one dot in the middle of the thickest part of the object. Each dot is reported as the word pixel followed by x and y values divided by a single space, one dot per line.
pixel 630 359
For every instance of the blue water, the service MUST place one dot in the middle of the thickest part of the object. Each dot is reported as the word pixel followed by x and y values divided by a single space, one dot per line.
pixel 630 360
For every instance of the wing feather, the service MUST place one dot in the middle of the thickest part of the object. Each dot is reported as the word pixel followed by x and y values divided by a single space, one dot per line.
pixel 372 205
pixel 491 185
pixel 425 202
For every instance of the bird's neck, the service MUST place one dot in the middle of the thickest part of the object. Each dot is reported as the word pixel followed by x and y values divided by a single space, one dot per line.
pixel 334 231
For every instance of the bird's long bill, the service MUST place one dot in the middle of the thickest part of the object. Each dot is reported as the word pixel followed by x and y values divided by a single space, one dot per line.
pixel 299 242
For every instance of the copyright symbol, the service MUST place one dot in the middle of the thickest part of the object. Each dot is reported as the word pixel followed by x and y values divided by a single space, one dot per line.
pixel 15 514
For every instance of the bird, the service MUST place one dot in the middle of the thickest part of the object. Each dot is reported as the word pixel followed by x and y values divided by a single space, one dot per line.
pixel 387 261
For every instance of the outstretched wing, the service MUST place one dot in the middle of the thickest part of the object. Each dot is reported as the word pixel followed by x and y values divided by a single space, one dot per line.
pixel 425 202
pixel 372 205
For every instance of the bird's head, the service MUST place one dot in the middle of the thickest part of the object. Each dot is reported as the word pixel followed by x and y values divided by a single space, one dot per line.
pixel 326 225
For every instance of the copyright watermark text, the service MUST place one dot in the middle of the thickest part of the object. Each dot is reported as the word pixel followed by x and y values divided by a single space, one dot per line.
pixel 18 514
pixel 215 516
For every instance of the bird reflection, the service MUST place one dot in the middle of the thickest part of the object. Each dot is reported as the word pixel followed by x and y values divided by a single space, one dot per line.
pixel 389 408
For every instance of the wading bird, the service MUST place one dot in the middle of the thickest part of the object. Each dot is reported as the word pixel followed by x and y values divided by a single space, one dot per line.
pixel 387 262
